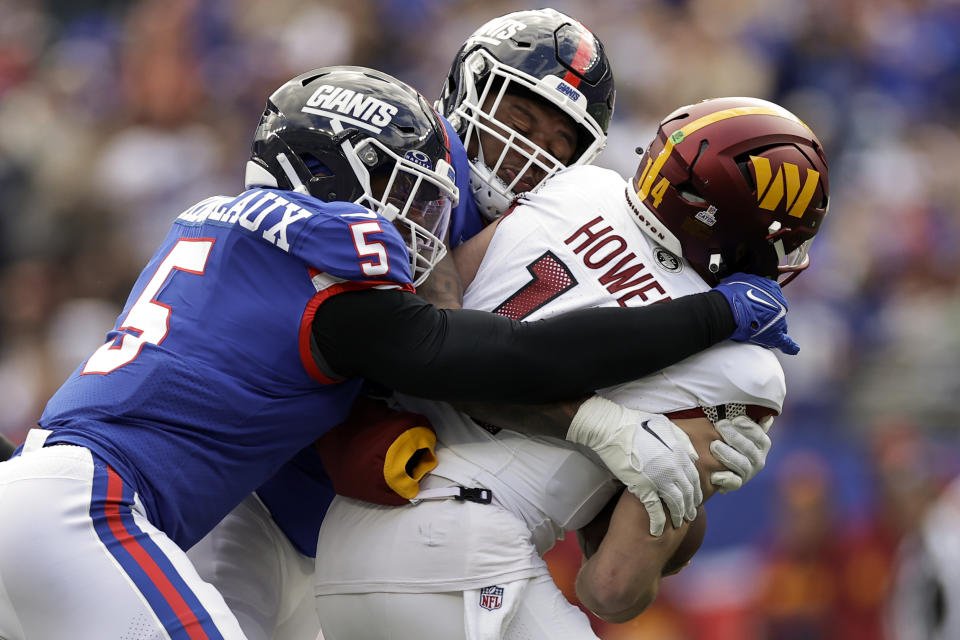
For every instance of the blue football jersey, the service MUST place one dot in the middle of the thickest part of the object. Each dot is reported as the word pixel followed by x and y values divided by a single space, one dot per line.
pixel 298 497
pixel 299 494
pixel 206 385
pixel 465 219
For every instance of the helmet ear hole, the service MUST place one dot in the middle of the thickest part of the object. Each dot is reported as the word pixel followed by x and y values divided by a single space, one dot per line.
pixel 315 165
pixel 689 193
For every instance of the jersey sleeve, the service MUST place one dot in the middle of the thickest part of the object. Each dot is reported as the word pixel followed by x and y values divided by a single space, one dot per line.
pixel 465 220
pixel 342 247
pixel 355 244
pixel 343 240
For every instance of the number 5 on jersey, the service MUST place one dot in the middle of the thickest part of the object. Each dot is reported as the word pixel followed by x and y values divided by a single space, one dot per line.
pixel 367 248
pixel 148 321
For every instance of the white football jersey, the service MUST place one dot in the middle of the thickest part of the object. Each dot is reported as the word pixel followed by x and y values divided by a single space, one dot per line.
pixel 574 244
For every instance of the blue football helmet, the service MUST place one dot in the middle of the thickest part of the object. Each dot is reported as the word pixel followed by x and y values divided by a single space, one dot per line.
pixel 544 53
pixel 353 134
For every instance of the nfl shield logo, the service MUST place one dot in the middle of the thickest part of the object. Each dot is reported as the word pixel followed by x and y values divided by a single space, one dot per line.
pixel 491 598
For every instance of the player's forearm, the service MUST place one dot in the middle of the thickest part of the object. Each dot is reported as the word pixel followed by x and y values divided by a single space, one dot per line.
pixel 622 578
pixel 594 348
pixel 403 343
pixel 609 604
pixel 443 289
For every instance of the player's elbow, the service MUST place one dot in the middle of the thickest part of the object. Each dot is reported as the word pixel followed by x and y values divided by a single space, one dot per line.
pixel 614 596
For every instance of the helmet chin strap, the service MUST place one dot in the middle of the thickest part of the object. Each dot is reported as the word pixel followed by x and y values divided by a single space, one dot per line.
pixel 777 243
pixel 291 174
pixel 363 176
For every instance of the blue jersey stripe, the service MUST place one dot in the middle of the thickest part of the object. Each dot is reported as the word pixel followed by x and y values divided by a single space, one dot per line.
pixel 174 603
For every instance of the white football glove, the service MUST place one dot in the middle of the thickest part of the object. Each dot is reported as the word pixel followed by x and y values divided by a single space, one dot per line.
pixel 652 456
pixel 743 451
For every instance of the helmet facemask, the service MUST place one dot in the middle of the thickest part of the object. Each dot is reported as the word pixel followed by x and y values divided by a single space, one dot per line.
pixel 407 192
pixel 486 82
pixel 789 237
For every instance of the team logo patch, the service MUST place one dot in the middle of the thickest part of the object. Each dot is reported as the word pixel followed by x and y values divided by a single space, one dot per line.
pixel 708 216
pixel 491 597
pixel 418 158
pixel 667 261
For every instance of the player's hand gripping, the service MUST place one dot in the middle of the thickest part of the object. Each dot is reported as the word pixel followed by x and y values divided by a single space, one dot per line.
pixel 743 451
pixel 760 311
pixel 652 456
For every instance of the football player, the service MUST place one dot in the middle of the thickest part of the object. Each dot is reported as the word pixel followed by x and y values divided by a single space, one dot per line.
pixel 528 93
pixel 727 185
pixel 249 334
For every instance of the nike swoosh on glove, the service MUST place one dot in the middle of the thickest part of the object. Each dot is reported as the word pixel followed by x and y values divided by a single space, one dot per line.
pixel 652 456
pixel 760 311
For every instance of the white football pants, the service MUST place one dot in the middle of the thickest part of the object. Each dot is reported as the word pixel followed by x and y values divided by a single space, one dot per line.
pixel 79 559
pixel 530 609
pixel 265 581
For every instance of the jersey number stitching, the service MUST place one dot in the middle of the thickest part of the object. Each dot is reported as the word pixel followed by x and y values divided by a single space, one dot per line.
pixel 366 248
pixel 148 321
pixel 551 278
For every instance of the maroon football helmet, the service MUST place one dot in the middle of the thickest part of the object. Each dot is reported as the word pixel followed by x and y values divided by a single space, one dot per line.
pixel 733 184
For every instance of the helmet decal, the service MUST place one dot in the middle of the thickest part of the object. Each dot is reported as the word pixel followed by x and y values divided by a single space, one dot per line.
pixel 352 107
pixel 419 158
pixel 569 91
pixel 585 53
pixel 708 216
pixel 651 172
pixel 497 31
pixel 770 187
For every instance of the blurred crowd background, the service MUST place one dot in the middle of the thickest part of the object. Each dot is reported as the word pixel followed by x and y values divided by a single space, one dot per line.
pixel 116 115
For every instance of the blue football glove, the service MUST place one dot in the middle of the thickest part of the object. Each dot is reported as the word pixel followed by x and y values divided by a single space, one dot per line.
pixel 760 311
